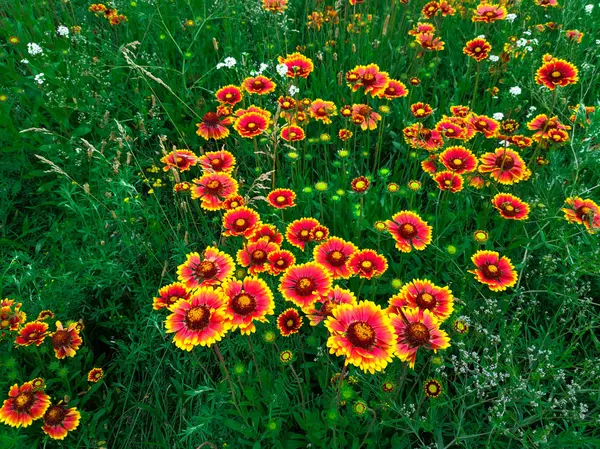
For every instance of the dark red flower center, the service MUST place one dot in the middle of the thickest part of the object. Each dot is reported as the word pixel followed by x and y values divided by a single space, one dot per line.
pixel 361 335
pixel 426 300
pixel 24 401
pixel 408 231
pixel 336 258
pixel 243 304
pixel 61 338
pixel 210 119
pixel 258 84
pixel 491 271
pixel 55 415
pixel 206 269
pixel 304 287
pixel 213 186
pixel 216 163
pixel 304 235
pixel 367 266
pixel 240 225
pixel 508 209
pixel 197 318
pixel 417 334
pixel 259 256
pixel 505 162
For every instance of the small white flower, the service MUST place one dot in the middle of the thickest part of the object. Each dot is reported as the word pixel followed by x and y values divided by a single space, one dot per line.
pixel 498 116
pixel 220 65
pixel 230 62
pixel 511 17
pixel 515 90
pixel 529 48
pixel 282 69
pixel 24 61
pixel 293 90
pixel 598 42
pixel 39 78
pixel 62 31
pixel 521 42
pixel 527 33
pixel 34 49
pixel 588 8
pixel 263 67
pixel 532 108
pixel 494 58
pixel 481 36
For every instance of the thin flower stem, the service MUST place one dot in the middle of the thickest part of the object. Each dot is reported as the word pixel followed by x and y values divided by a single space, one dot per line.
pixel 369 428
pixel 255 363
pixel 231 388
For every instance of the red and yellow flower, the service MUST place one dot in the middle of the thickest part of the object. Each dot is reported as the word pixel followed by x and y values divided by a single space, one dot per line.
pixel 585 212
pixel 213 126
pixel 210 268
pixel 279 261
pixel 60 420
pixel 201 320
pixel 421 110
pixel 305 284
pixel 213 188
pixel 292 133
pixel 478 49
pixel 33 333
pixel 510 206
pixel 345 134
pixel 458 159
pixel 298 231
pixel 233 202
pixel 299 66
pixel 260 85
pixel 504 165
pixel 488 126
pixel 488 13
pixel 425 295
pixel 360 184
pixel 417 328
pixel 496 272
pixel 66 341
pixel 367 263
pixel 217 161
pixel 248 301
pixel 394 89
pixel 363 334
pixel 327 304
pixel 24 405
pixel 282 198
pixel 268 231
pixel 251 124
pixel 240 221
pixel 180 159
pixel 322 110
pixel 289 322
pixel 333 255
pixel 543 125
pixel 557 72
pixel 365 117
pixel 230 95
pixel 254 255
pixel 447 180
pixel 11 316
pixel 369 78
pixel 95 375
pixel 409 231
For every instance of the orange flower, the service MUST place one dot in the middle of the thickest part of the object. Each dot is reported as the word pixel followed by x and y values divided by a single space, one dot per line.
pixel 430 9
pixel 180 159
pixel 289 322
pixel 305 284
pixel 59 421
pixel 281 198
pixel 542 125
pixel 504 165
pixel 409 231
pixel 24 405
pixel 557 72
pixel 327 304
pixel 394 89
pixel 488 13
pixel 229 94
pixel 233 202
pixel 363 116
pixel 67 341
pixel 496 272
pixel 213 188
pixel 458 159
pixel 510 206
pixel 241 221
pixel 298 65
pixel 485 125
pixel 248 301
pixel 254 255
pixel 268 231
pixel 212 267
pixel 95 375
pixel 260 85
pixel 32 333
pixel 421 110
pixel 585 212
pixel 217 161
pixel 448 180
pixel 478 49
pixel 429 42
pixel 360 184
pixel 322 110
pixel 298 231
pixel 368 77
pixel 280 260
pixel 425 295
pixel 212 126
pixel 367 264
pixel 333 255
pixel 251 124
pixel 345 134
pixel 275 6
pixel 292 133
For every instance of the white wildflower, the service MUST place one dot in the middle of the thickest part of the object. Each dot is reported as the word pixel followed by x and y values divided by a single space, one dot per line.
pixel 62 31
pixel 515 90
pixel 293 90
pixel 39 78
pixel 494 58
pixel 588 8
pixel 34 49
pixel 282 69
pixel 498 116
pixel 511 17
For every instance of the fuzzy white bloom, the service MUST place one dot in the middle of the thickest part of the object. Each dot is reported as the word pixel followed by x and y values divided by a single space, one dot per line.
pixel 263 67
pixel 39 78
pixel 498 116
pixel 62 31
pixel 282 69
pixel 527 33
pixel 532 108
pixel 293 90
pixel 529 48
pixel 588 8
pixel 515 90
pixel 230 62
pixel 34 49
pixel 494 58
pixel 598 42
pixel 511 17
pixel 481 36
pixel 24 61
pixel 521 42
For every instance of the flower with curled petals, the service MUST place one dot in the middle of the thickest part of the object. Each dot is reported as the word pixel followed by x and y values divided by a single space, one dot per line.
pixel 510 206
pixel 248 301
pixel 409 231
pixel 367 264
pixel 209 268
pixel 498 273
pixel 305 284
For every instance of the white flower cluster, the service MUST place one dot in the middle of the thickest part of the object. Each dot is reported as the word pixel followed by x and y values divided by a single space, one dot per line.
pixel 515 90
pixel 34 49
pixel 589 8
pixel 39 78
pixel 62 31
pixel 293 90
pixel 228 62
pixel 281 69
pixel 498 116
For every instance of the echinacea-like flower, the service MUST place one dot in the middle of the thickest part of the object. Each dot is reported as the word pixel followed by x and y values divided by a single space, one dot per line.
pixel 248 301
pixel 417 328
pixel 95 375
pixel 275 6
pixel 425 295
pixel 363 334
pixel 324 307
pixel 24 405
pixel 369 78
pixel 11 316
pixel 585 212
pixel 543 125
pixel 305 284
pixel 268 231
pixel 489 13
pixel 33 333
pixel 504 165
pixel 364 116
pixel 557 72
pixel 241 221
pixel 230 95
pixel 254 255
pixel 298 231
pixel 488 126
pixel 298 65
pixel 447 180
pixel 279 261
pixel 210 268
pixel 360 184
pixel 66 341
pixel 430 9
pixel 260 85
pixel 322 110
pixel 409 231
pixel 289 322
pixel 430 42
pixel 233 202
pixel 179 159
pixel 282 198
pixel 45 314
pixel 421 110
pixel 217 161
pixel 367 263
pixel 292 133
pixel 213 188
pixel 458 159
pixel 547 3
pixel 213 126
pixel 478 49
pixel 496 272
pixel 201 320
pixel 251 124
pixel 432 389
pixel 510 206
pixel 333 255
pixel 394 89
pixel 60 420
